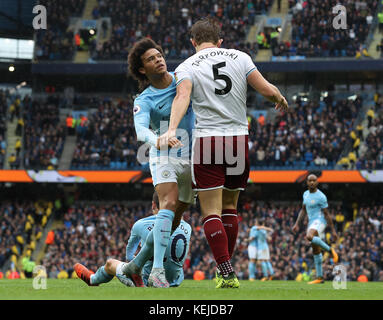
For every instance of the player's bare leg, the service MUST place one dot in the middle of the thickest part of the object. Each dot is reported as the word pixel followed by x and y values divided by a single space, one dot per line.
pixel 181 208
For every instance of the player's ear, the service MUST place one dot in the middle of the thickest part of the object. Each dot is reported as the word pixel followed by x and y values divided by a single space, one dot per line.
pixel 142 70
pixel 219 43
pixel 193 42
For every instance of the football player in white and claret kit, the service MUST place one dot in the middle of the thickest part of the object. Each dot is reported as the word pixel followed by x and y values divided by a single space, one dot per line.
pixel 216 80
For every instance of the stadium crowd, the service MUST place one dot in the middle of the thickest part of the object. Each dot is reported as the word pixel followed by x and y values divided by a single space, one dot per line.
pixel 91 233
pixel 57 41
pixel 168 22
pixel 313 34
pixel 372 158
pixel 107 140
pixel 21 226
pixel 311 136
pixel 3 125
pixel 44 135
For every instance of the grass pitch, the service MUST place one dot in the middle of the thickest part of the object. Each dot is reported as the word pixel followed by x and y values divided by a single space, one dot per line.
pixel 75 289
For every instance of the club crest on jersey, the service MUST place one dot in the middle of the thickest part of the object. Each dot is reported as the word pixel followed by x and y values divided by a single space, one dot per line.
pixel 312 201
pixel 166 174
pixel 136 110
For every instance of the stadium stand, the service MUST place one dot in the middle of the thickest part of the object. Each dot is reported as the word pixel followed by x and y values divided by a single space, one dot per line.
pixel 313 35
pixel 57 42
pixel 21 226
pixel 92 232
pixel 44 135
pixel 109 140
pixel 167 23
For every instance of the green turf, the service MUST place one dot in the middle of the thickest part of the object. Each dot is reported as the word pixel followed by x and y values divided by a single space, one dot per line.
pixel 75 289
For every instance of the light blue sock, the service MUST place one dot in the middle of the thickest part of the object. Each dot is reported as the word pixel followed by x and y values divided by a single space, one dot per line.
pixel 318 264
pixel 101 276
pixel 161 235
pixel 146 251
pixel 264 268
pixel 319 242
pixel 252 270
pixel 270 268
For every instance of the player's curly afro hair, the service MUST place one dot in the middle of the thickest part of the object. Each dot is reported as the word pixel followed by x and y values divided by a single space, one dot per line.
pixel 135 62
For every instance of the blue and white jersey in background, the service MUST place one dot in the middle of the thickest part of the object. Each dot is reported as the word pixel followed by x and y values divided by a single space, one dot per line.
pixel 152 110
pixel 253 233
pixel 314 203
pixel 262 240
pixel 175 254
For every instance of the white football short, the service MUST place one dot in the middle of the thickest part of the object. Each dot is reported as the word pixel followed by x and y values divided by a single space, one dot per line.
pixel 319 226
pixel 252 251
pixel 174 170
pixel 263 254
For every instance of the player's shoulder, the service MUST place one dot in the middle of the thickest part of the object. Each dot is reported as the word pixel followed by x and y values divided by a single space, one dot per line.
pixel 306 193
pixel 146 220
pixel 321 194
pixel 144 97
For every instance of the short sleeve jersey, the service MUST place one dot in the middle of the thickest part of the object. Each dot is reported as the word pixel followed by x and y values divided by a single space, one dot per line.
pixel 219 78
pixel 314 203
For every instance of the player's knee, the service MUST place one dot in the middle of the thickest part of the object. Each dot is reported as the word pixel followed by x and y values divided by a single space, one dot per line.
pixel 108 265
pixel 169 204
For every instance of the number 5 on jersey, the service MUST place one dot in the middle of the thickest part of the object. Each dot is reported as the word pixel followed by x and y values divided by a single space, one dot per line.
pixel 223 77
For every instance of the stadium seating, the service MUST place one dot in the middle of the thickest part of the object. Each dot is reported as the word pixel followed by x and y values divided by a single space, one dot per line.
pixel 21 226
pixel 109 141
pixel 313 35
pixel 168 23
pixel 57 42
pixel 3 125
pixel 44 136
pixel 92 233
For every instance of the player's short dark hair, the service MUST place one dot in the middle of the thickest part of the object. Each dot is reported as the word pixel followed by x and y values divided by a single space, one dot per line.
pixel 135 61
pixel 206 30
pixel 155 199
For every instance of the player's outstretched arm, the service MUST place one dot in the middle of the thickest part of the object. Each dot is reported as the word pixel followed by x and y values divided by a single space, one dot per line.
pixel 301 215
pixel 268 90
pixel 331 225
pixel 179 107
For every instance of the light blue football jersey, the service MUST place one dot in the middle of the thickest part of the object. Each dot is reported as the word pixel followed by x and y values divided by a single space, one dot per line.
pixel 175 254
pixel 314 203
pixel 253 233
pixel 262 240
pixel 152 110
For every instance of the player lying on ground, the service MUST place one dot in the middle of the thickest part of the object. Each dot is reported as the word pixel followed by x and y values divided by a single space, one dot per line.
pixel 316 207
pixel 175 255
pixel 258 250
pixel 216 81
pixel 170 170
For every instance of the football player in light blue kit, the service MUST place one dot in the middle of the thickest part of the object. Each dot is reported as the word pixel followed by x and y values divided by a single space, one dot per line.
pixel 252 252
pixel 259 251
pixel 170 168
pixel 175 255
pixel 316 207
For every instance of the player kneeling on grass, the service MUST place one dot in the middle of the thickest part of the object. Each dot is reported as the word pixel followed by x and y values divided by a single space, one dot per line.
pixel 175 255
pixel 316 207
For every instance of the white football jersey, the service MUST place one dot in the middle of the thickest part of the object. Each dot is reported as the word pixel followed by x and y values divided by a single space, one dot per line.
pixel 219 78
